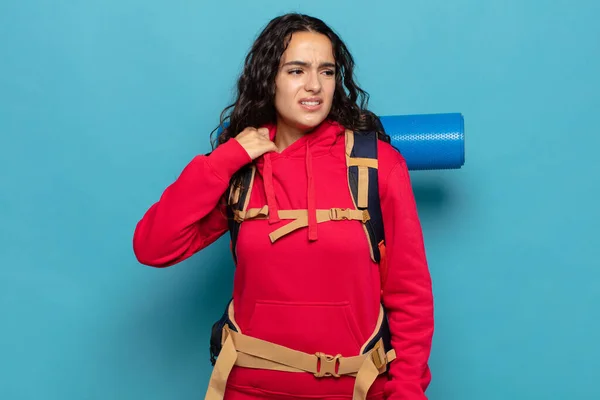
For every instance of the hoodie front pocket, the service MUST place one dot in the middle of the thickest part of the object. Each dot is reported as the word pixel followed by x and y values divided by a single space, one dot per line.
pixel 310 327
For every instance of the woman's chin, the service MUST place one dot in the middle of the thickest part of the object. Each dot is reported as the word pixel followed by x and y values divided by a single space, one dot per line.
pixel 309 124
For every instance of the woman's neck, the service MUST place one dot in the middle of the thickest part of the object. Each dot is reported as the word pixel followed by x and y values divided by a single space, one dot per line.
pixel 287 135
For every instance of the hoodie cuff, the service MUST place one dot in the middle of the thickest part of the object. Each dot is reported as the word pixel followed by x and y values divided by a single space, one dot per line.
pixel 228 158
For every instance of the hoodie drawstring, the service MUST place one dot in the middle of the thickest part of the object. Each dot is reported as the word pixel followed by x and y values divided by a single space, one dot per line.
pixel 270 191
pixel 312 206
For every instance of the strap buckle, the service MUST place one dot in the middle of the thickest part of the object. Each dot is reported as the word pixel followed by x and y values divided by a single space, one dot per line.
pixel 239 216
pixel 327 365
pixel 338 214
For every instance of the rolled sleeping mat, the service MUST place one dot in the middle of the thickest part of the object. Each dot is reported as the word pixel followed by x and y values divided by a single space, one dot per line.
pixel 428 141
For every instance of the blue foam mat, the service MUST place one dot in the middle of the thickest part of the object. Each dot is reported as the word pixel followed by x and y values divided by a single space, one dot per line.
pixel 428 141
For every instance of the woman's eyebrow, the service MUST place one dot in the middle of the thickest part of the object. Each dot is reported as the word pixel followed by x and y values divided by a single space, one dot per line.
pixel 306 64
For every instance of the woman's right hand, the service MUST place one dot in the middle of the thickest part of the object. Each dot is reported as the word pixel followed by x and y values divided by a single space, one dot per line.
pixel 256 142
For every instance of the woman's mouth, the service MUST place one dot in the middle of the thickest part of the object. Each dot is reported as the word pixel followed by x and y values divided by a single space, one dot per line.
pixel 311 104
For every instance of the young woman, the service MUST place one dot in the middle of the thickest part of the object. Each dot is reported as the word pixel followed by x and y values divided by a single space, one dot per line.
pixel 308 294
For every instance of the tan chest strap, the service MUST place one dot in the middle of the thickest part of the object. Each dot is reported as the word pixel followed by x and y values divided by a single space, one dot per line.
pixel 300 218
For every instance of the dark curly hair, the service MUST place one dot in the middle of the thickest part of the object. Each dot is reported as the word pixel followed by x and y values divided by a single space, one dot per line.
pixel 254 105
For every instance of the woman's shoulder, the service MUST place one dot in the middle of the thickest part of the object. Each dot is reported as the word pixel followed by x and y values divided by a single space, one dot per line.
pixel 389 158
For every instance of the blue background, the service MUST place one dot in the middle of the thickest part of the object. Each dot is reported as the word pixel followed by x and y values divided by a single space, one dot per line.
pixel 102 103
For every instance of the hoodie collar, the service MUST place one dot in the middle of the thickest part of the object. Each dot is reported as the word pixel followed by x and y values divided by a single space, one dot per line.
pixel 319 140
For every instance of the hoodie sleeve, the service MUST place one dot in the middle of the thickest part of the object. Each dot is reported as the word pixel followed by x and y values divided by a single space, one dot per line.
pixel 407 292
pixel 189 215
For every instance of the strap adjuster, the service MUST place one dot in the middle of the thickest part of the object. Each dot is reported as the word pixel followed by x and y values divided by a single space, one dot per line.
pixel 378 356
pixel 366 216
pixel 327 365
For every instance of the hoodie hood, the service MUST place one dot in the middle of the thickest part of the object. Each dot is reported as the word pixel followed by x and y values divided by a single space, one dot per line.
pixel 314 144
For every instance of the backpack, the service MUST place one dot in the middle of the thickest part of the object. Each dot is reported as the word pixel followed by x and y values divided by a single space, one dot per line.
pixel 362 166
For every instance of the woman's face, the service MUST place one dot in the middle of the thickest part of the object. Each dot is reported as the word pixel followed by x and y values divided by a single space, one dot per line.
pixel 305 82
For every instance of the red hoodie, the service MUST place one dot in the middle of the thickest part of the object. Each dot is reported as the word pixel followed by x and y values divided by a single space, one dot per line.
pixel 316 288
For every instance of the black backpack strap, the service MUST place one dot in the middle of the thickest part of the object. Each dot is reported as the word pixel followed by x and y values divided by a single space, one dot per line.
pixel 216 335
pixel 362 162
pixel 237 200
